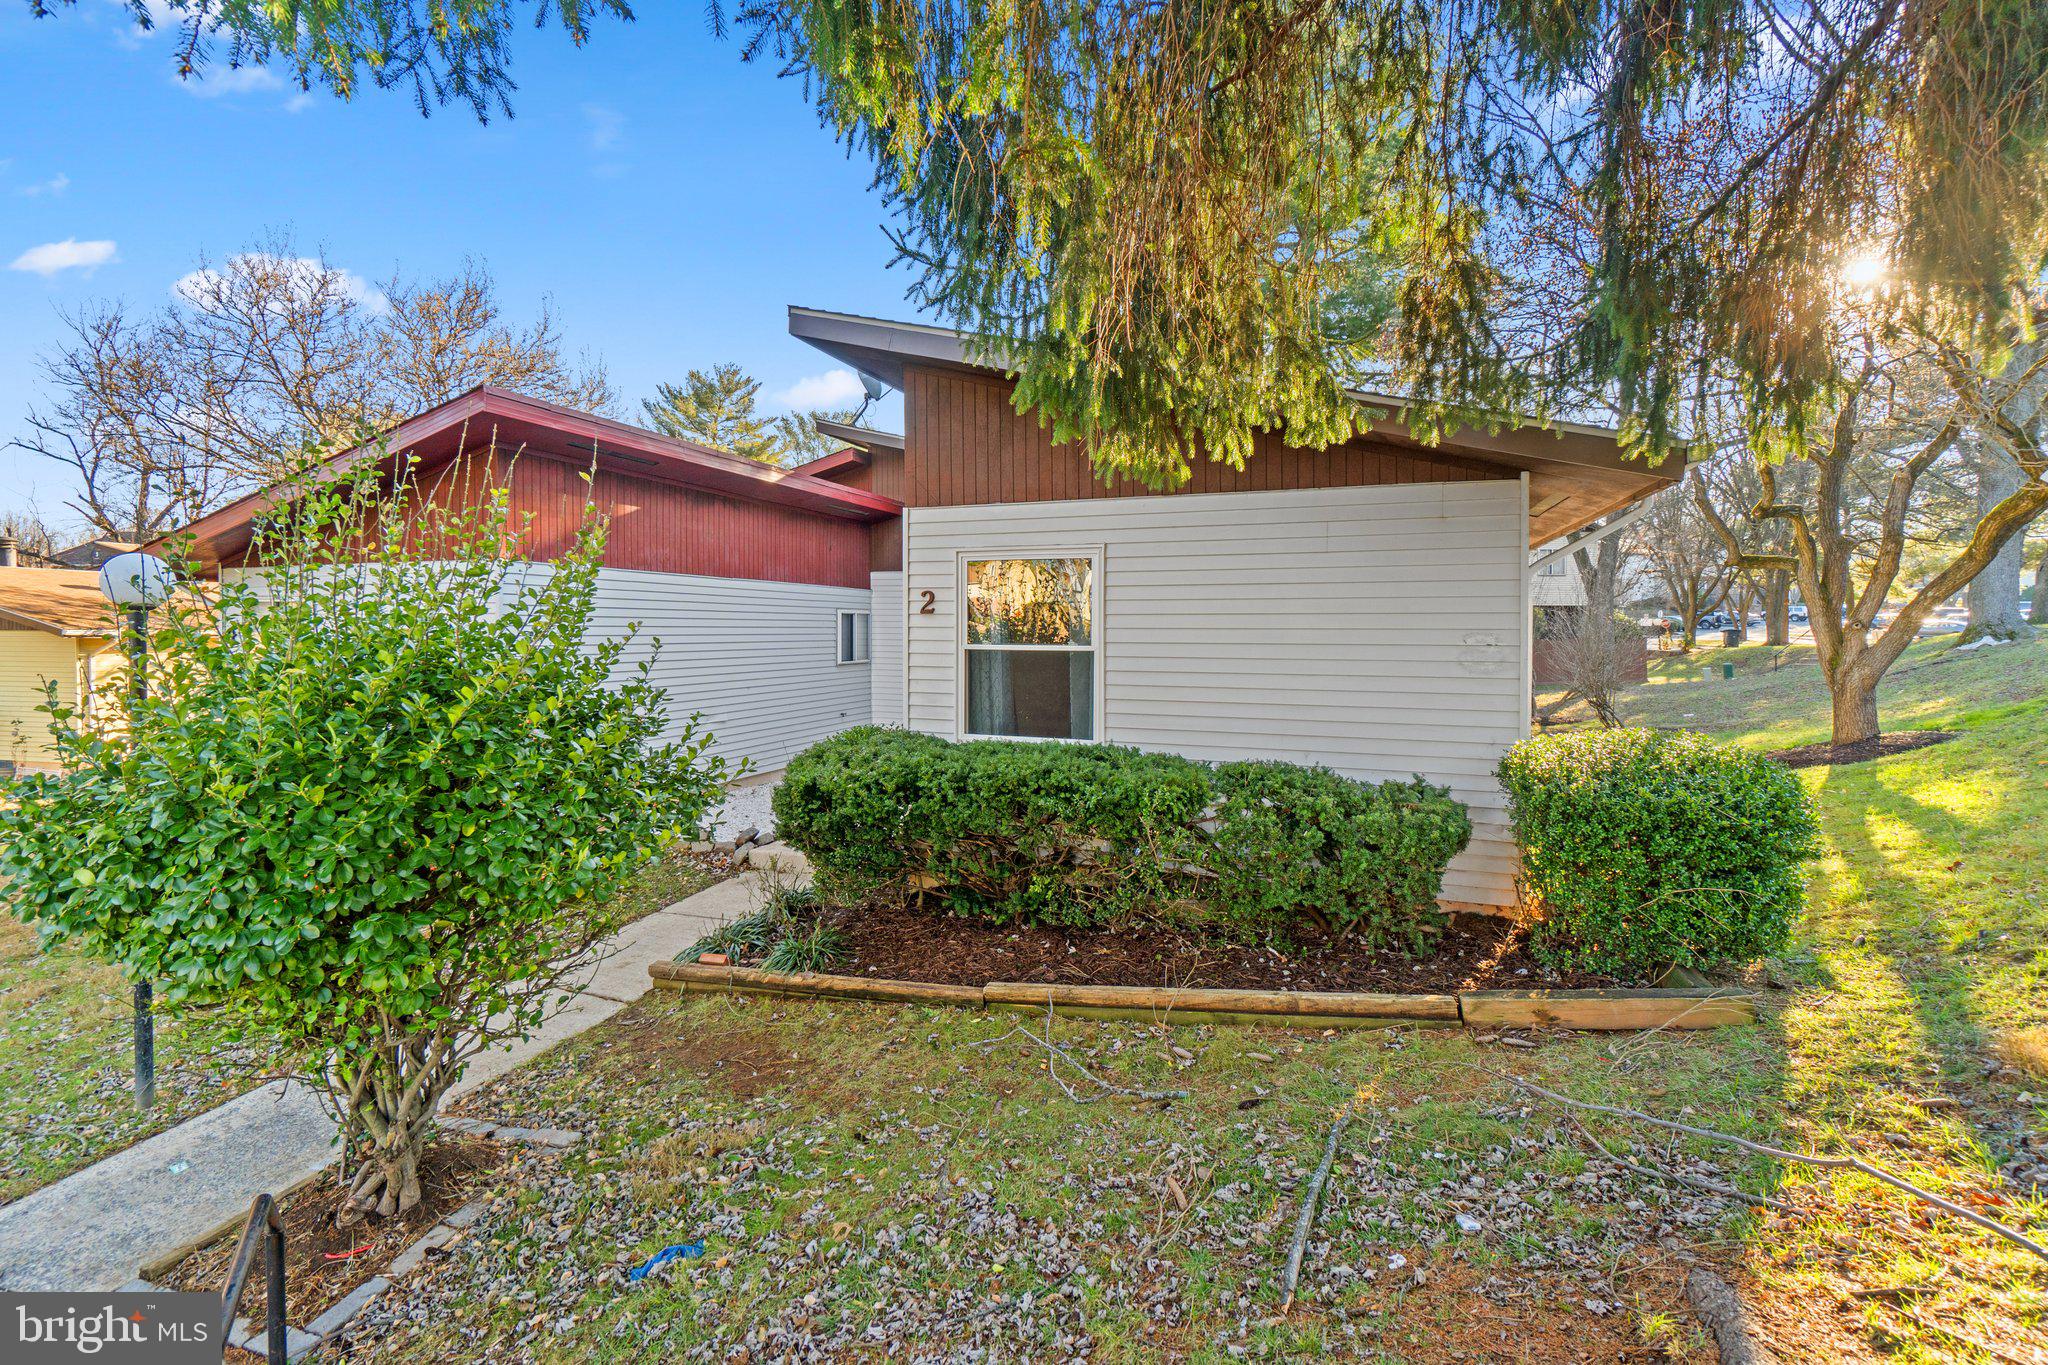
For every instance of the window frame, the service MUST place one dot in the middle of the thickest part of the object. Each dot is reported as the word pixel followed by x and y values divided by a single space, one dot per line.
pixel 1096 556
pixel 866 638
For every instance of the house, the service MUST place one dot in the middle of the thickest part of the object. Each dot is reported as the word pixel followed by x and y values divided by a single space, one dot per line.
pixel 1366 607
pixel 55 627
pixel 1557 595
pixel 95 551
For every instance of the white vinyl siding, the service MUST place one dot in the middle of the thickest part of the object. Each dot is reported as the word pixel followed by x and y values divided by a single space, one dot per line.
pixel 886 648
pixel 1379 631
pixel 759 659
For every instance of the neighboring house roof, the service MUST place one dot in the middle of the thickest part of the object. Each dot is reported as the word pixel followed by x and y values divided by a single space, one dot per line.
pixel 1578 471
pixel 59 601
pixel 90 554
pixel 511 421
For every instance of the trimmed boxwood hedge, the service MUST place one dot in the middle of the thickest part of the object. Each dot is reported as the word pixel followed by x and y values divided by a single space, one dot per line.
pixel 1083 835
pixel 1644 849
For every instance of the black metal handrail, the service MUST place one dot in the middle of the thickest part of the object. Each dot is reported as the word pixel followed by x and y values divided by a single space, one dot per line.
pixel 266 1227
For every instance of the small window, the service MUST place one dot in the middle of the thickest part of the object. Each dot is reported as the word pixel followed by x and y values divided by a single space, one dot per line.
pixel 853 637
pixel 1030 648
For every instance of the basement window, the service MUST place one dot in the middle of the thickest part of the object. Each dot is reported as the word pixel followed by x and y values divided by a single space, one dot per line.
pixel 1029 648
pixel 853 637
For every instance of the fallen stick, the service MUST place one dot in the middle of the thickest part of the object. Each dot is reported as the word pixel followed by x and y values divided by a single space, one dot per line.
pixel 1103 1089
pixel 1681 1177
pixel 1837 1163
pixel 1311 1200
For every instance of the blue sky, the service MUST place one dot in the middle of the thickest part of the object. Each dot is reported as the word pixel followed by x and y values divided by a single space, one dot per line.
pixel 669 199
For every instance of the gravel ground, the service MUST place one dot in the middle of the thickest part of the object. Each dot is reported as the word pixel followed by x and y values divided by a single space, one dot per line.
pixel 746 805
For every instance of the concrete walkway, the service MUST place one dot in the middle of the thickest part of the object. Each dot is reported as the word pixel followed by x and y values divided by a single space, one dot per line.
pixel 93 1229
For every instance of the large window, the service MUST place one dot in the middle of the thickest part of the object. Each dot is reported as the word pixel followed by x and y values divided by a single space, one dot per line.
pixel 1030 648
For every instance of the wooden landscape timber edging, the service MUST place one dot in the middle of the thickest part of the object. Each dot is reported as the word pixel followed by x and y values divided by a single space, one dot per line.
pixel 1621 1010
pixel 1691 1007
pixel 1316 1009
pixel 696 976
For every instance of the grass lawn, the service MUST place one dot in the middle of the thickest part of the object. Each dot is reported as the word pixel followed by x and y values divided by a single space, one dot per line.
pixel 866 1176
pixel 66 1055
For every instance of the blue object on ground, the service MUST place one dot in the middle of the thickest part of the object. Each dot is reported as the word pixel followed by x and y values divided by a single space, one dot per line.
pixel 681 1251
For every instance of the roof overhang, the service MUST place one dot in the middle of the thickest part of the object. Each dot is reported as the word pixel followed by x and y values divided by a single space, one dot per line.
pixel 65 602
pixel 860 438
pixel 515 424
pixel 1578 472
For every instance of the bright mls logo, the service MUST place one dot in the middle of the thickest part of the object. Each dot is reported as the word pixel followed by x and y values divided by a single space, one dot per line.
pixel 117 1329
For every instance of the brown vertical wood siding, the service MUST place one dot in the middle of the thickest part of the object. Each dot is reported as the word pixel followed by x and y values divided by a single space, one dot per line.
pixel 965 445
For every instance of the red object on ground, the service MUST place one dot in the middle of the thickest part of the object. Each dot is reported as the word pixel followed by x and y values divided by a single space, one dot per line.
pixel 344 1255
pixel 714 959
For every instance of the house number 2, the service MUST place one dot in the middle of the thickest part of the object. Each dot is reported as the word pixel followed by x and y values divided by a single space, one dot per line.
pixel 930 603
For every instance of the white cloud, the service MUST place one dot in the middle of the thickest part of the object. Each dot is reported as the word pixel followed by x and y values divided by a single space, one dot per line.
pixel 299 103
pixel 70 254
pixel 303 271
pixel 603 127
pixel 832 389
pixel 232 80
pixel 54 186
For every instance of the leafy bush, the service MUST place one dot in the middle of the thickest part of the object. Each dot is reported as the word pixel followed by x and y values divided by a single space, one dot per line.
pixel 1084 835
pixel 1369 857
pixel 1645 849
pixel 376 810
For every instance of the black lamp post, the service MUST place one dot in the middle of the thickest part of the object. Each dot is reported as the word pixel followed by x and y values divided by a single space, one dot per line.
pixel 136 582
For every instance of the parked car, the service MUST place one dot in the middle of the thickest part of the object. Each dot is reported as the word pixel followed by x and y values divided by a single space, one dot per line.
pixel 1798 616
pixel 1714 620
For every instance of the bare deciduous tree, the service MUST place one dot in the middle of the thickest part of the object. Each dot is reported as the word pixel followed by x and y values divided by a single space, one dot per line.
pixel 1684 553
pixel 264 358
pixel 1903 414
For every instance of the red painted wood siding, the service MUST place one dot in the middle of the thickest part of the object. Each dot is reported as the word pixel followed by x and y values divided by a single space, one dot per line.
pixel 660 526
pixel 668 528
pixel 883 474
pixel 964 445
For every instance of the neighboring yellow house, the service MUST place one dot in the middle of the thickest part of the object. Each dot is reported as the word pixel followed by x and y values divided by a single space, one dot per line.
pixel 54 626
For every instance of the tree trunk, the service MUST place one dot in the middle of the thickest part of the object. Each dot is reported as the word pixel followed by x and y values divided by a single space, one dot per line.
pixel 1855 708
pixel 1994 594
pixel 393 1111
pixel 2037 613
pixel 1777 607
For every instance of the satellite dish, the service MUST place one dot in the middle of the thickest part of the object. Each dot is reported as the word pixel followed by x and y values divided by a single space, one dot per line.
pixel 871 386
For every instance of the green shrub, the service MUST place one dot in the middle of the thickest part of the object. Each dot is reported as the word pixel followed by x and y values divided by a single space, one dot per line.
pixel 1086 835
pixel 1645 849
pixel 1369 857
pixel 379 812
pixel 1065 834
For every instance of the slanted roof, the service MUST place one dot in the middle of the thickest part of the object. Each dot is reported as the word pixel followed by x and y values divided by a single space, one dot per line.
pixel 861 438
pixel 515 422
pixel 59 601
pixel 1577 471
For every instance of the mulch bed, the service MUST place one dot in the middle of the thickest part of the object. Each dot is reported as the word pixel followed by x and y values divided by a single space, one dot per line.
pixel 1862 751
pixel 900 943
pixel 452 1171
